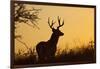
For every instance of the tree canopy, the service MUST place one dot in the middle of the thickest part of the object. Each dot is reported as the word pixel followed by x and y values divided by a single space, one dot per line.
pixel 27 16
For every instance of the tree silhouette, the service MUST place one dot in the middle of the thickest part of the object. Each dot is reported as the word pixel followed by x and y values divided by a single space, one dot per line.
pixel 24 15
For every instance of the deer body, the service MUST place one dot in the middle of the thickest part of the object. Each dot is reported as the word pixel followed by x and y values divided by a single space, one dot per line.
pixel 46 49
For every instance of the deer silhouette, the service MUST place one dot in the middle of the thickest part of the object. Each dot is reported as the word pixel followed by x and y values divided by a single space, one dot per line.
pixel 46 49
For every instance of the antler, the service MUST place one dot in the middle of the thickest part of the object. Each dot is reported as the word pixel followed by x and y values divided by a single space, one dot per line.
pixel 59 23
pixel 51 24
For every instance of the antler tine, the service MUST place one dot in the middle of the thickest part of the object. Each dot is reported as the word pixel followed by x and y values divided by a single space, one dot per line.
pixel 48 21
pixel 59 20
pixel 62 23
pixel 51 24
pixel 59 23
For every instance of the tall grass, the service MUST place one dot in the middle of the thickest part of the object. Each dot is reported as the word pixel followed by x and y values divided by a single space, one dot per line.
pixel 84 54
pixel 25 58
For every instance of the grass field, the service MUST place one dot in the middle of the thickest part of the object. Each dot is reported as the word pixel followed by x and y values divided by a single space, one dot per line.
pixel 85 54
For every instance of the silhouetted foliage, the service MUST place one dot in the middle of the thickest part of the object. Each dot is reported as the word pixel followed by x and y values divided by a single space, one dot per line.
pixel 85 54
pixel 22 58
pixel 23 14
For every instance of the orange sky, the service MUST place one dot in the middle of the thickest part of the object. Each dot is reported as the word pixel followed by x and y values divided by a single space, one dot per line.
pixel 78 27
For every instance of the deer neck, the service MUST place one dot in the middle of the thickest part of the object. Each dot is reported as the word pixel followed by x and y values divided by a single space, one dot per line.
pixel 54 39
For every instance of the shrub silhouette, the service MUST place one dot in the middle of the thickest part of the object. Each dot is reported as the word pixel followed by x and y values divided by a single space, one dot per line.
pixel 25 58
pixel 85 54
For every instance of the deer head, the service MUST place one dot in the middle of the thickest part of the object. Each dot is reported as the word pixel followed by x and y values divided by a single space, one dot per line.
pixel 56 31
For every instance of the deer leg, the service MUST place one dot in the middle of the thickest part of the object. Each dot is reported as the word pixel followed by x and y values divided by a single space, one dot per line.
pixel 41 59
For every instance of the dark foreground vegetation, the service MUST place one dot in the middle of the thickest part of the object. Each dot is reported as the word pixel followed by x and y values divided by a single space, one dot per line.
pixel 85 54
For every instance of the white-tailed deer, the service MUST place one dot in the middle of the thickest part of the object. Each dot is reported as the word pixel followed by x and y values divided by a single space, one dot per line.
pixel 46 50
